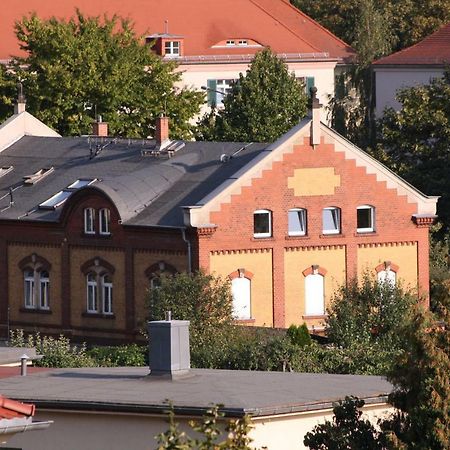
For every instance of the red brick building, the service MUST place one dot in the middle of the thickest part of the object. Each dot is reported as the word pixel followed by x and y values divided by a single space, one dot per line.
pixel 87 224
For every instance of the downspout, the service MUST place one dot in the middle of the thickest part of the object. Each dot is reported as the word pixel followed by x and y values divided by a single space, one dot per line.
pixel 189 249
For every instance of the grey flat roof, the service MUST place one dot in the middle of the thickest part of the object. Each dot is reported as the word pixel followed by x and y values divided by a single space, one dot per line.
pixel 129 389
pixel 147 191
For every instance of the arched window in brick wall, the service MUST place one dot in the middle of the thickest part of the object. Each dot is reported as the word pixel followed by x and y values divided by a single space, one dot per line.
pixel 314 290
pixel 36 280
pixel 241 290
pixel 158 270
pixel 387 272
pixel 99 286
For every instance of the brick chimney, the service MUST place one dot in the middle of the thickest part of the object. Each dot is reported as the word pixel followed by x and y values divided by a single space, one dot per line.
pixel 100 128
pixel 169 354
pixel 315 123
pixel 162 130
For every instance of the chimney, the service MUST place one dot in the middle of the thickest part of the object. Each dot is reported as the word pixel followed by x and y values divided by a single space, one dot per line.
pixel 20 106
pixel 162 131
pixel 315 123
pixel 169 354
pixel 100 128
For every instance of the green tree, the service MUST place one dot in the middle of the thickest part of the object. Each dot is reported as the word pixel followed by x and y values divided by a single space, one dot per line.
pixel 416 140
pixel 364 318
pixel 8 92
pixel 263 104
pixel 87 65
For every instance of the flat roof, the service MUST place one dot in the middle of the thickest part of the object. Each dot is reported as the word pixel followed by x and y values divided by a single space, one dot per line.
pixel 130 389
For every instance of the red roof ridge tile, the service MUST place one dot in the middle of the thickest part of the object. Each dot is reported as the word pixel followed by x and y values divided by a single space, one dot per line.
pixel 8 406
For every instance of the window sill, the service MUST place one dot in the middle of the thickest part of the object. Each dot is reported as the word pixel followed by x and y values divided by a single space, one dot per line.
pixel 291 237
pixel 97 235
pixel 331 235
pixel 315 316
pixel 365 233
pixel 35 311
pixel 268 238
pixel 94 315
pixel 244 321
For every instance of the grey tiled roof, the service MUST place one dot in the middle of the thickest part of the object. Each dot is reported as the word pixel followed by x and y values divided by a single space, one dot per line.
pixel 129 389
pixel 146 190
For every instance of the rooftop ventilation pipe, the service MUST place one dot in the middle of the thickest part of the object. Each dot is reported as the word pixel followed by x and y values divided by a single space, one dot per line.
pixel 315 123
pixel 21 104
pixel 169 354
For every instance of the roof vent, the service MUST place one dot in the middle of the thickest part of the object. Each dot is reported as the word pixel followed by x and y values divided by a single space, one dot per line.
pixel 224 158
pixel 37 176
pixel 5 169
pixel 166 151
pixel 169 354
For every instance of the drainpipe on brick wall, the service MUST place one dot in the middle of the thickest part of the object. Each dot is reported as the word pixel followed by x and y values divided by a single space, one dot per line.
pixel 189 249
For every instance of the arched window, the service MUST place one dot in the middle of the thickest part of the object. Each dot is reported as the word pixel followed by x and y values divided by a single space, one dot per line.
pixel 104 218
pixel 99 286
pixel 387 273
pixel 156 271
pixel 262 223
pixel 365 219
pixel 241 291
pixel 331 220
pixel 89 220
pixel 297 222
pixel 314 290
pixel 36 279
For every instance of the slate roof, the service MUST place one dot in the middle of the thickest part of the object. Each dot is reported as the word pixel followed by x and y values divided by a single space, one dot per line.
pixel 203 23
pixel 128 389
pixel 433 50
pixel 146 190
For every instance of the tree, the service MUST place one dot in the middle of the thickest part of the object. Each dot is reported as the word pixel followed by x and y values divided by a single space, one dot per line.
pixel 415 141
pixel 364 318
pixel 8 92
pixel 263 104
pixel 347 431
pixel 86 66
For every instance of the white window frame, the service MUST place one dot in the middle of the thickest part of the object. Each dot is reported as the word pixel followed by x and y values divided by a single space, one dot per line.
pixel 336 230
pixel 223 85
pixel 89 221
pixel 387 276
pixel 104 215
pixel 241 293
pixel 303 214
pixel 172 49
pixel 107 289
pixel 28 289
pixel 371 209
pixel 91 293
pixel 314 294
pixel 44 289
pixel 265 233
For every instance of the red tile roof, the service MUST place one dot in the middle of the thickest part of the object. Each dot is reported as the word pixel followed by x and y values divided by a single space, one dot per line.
pixel 203 23
pixel 10 409
pixel 433 50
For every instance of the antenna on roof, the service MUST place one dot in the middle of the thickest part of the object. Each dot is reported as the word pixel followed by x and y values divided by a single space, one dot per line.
pixel 166 26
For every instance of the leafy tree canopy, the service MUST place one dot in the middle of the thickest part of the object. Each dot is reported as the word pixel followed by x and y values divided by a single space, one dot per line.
pixel 262 105
pixel 89 65
pixel 415 141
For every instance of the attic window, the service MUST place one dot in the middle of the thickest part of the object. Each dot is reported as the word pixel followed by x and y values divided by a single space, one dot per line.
pixel 37 176
pixel 231 42
pixel 60 197
pixel 5 169
pixel 243 42
pixel 172 49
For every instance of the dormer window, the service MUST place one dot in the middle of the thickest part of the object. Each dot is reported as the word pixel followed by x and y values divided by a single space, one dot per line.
pixel 242 42
pixel 231 42
pixel 236 43
pixel 172 49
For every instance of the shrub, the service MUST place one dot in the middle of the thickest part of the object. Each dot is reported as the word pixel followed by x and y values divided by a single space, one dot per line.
pixel 124 355
pixel 299 335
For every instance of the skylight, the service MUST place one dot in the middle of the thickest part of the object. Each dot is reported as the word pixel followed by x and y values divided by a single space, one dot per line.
pixel 5 169
pixel 60 197
pixel 37 176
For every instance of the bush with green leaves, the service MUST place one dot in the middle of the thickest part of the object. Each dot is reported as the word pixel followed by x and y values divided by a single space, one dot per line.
pixel 119 356
pixel 299 335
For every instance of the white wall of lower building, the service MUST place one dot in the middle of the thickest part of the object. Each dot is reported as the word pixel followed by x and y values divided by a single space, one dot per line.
pixel 389 80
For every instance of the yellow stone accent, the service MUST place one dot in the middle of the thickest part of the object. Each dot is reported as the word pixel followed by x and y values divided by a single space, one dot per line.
pixel 314 181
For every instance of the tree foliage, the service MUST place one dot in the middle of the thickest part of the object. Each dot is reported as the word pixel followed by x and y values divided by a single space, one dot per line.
pixel 416 140
pixel 87 65
pixel 262 105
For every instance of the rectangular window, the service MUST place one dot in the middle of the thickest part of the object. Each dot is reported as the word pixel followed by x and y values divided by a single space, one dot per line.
pixel 104 221
pixel 331 220
pixel 29 289
pixel 314 295
pixel 241 290
pixel 44 290
pixel 172 48
pixel 297 222
pixel 217 90
pixel 262 223
pixel 107 297
pixel 308 82
pixel 365 218
pixel 92 305
pixel 89 220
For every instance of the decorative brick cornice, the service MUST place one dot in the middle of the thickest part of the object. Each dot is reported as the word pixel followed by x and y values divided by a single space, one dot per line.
pixel 206 231
pixel 314 248
pixel 240 251
pixel 388 244
pixel 160 252
pixel 422 220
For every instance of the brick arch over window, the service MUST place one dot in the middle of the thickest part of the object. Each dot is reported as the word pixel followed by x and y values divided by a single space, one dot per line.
pixel 314 270
pixel 155 270
pixel 387 265
pixel 35 262
pixel 98 266
pixel 240 273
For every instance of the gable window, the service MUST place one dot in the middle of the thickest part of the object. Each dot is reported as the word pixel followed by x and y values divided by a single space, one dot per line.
pixel 331 220
pixel 36 282
pixel 104 215
pixel 241 292
pixel 365 219
pixel 172 48
pixel 89 220
pixel 314 295
pixel 262 223
pixel 297 222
